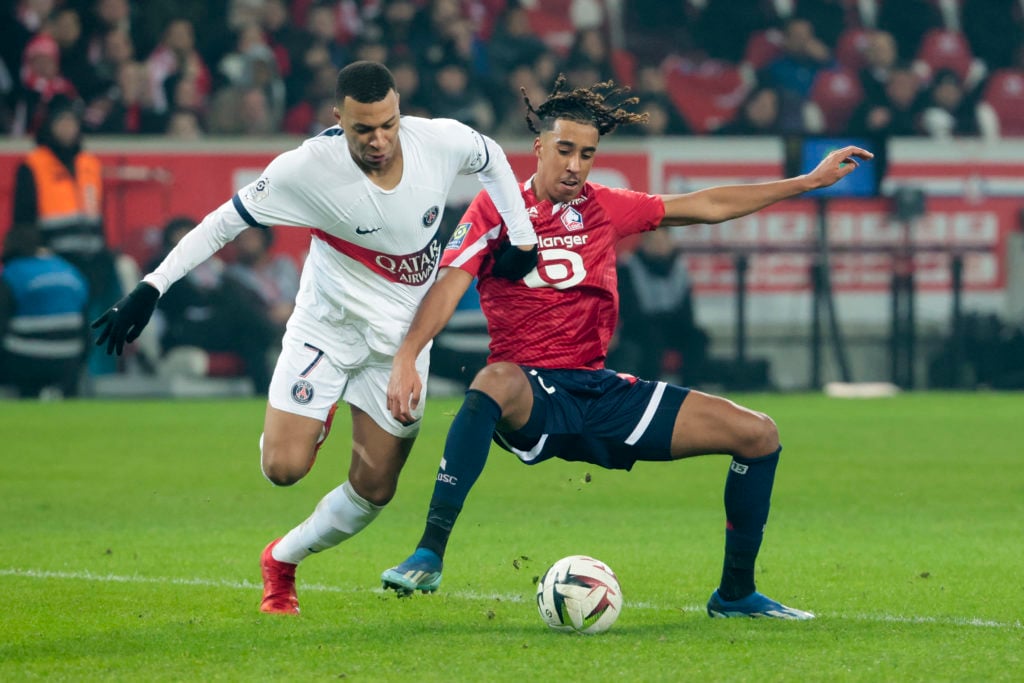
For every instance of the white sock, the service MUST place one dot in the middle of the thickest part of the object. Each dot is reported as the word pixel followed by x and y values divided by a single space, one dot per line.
pixel 340 514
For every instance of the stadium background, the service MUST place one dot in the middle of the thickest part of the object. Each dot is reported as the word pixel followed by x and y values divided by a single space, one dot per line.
pixel 710 56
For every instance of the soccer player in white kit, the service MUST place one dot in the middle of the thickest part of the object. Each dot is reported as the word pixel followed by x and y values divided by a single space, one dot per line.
pixel 372 190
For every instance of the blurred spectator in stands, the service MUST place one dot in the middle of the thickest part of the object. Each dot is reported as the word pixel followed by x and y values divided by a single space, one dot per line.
pixel 44 331
pixel 272 277
pixel 513 44
pixel 59 188
pixel 409 82
pixel 908 21
pixel 893 111
pixel 41 82
pixel 233 66
pixel 126 107
pixel 19 26
pixel 591 46
pixel 455 96
pixel 994 29
pixel 582 73
pixel 949 109
pixel 304 117
pixel 184 124
pixel 99 19
pixel 793 73
pixel 724 27
pixel 369 47
pixel 758 115
pixel 664 117
pixel 827 16
pixel 655 28
pixel 207 312
pixel 176 54
pixel 322 30
pixel 512 123
pixel 113 49
pixel 881 57
pixel 399 31
pixel 283 37
pixel 65 26
pixel 658 335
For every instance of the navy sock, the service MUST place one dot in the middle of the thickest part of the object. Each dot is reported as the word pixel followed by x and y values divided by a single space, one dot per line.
pixel 465 454
pixel 748 495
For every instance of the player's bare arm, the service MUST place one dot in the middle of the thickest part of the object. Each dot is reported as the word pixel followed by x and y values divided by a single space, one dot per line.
pixel 436 309
pixel 717 204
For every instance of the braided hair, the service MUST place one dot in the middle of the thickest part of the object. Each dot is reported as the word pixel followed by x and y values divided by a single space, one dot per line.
pixel 594 105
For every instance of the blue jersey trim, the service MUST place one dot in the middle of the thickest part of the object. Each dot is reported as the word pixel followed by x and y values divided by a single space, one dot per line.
pixel 244 213
pixel 331 132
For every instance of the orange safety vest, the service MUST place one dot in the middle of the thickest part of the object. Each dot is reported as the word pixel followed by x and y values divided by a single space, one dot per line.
pixel 61 196
pixel 68 201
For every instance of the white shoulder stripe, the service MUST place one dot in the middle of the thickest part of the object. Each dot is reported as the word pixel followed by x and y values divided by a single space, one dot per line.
pixel 475 247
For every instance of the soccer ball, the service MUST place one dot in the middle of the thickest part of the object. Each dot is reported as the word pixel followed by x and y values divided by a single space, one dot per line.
pixel 579 593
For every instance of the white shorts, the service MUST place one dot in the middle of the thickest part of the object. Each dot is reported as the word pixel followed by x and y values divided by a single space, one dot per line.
pixel 307 382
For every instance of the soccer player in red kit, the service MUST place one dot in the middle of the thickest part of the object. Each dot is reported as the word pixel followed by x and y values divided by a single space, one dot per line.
pixel 545 391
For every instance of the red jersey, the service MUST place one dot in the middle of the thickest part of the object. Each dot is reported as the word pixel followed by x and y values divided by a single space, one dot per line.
pixel 564 312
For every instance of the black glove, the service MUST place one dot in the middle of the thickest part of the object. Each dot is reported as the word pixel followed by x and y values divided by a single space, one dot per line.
pixel 123 322
pixel 512 263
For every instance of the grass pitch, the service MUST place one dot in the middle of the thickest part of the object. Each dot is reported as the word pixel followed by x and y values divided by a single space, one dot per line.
pixel 131 533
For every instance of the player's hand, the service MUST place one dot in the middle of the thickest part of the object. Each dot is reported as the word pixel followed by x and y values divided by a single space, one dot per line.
pixel 123 322
pixel 513 263
pixel 837 165
pixel 404 390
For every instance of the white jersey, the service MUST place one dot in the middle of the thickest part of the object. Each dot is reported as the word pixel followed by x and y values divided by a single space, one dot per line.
pixel 374 252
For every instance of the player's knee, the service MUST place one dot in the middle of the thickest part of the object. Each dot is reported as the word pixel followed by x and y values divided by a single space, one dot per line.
pixel 378 492
pixel 283 468
pixel 501 381
pixel 760 437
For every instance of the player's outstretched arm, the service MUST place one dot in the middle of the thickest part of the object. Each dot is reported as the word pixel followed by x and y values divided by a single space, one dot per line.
pixel 717 204
pixel 123 322
pixel 436 309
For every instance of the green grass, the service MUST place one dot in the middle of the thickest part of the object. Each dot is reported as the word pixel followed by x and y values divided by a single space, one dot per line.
pixel 130 535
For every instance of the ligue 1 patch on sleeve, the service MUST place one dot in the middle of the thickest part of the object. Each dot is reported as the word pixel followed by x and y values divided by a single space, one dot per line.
pixel 459 235
pixel 259 190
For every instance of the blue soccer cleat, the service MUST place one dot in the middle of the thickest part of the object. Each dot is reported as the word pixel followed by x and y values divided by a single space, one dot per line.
pixel 421 572
pixel 754 605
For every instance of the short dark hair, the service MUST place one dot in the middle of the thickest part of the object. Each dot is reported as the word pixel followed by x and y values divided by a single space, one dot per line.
pixel 595 105
pixel 364 82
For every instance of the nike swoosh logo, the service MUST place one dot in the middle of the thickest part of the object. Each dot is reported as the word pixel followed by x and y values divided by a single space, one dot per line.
pixel 366 231
pixel 543 386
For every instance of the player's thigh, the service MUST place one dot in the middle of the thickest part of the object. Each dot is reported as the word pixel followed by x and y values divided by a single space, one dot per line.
pixel 303 388
pixel 377 458
pixel 709 424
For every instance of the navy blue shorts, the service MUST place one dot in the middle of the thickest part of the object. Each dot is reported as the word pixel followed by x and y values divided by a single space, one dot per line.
pixel 596 416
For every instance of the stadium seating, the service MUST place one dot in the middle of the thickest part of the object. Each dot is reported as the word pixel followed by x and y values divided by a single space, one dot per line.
pixel 708 94
pixel 851 49
pixel 944 49
pixel 1004 93
pixel 834 96
pixel 763 47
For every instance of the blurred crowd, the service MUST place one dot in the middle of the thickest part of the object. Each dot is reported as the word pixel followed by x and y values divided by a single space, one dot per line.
pixel 189 68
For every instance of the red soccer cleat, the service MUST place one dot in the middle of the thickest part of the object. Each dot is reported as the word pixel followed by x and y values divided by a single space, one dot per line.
pixel 278 584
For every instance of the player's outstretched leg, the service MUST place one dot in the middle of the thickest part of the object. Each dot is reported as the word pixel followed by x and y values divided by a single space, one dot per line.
pixel 754 605
pixel 278 583
pixel 420 572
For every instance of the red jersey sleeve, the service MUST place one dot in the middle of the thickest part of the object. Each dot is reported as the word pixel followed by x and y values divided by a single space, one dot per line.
pixel 468 247
pixel 631 212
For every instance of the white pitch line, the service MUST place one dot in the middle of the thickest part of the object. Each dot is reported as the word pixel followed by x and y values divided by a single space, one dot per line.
pixel 469 595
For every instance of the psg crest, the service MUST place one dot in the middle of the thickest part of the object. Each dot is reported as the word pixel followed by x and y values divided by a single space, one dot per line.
pixel 430 216
pixel 302 392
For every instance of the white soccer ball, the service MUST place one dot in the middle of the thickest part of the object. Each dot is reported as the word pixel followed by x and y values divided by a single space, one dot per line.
pixel 579 593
